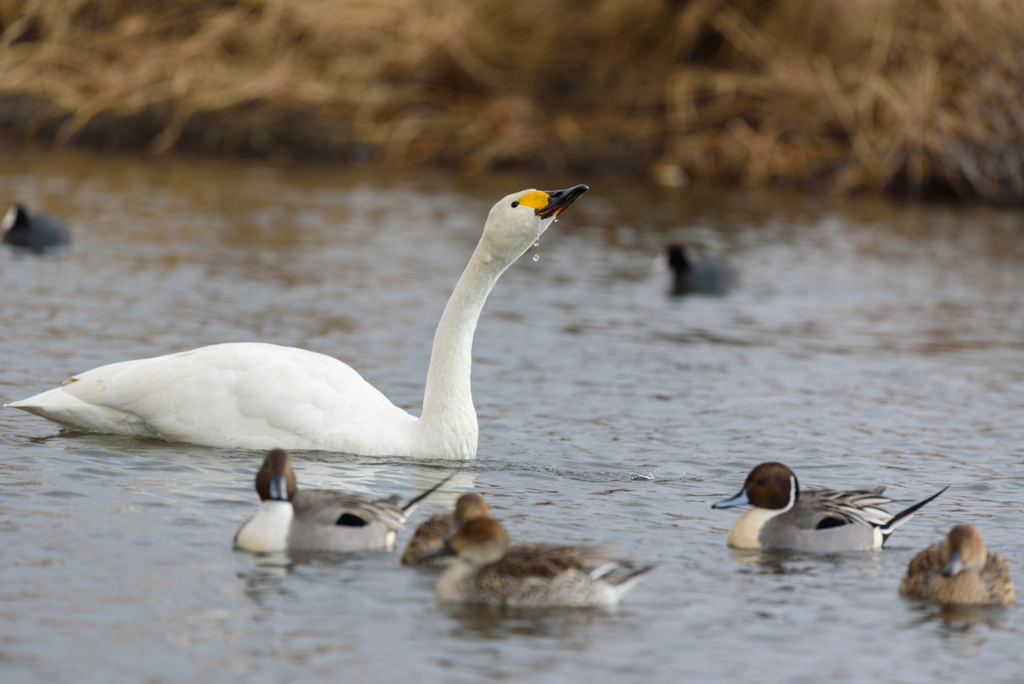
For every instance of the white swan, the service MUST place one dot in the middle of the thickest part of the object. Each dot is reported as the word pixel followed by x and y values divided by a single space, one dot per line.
pixel 250 395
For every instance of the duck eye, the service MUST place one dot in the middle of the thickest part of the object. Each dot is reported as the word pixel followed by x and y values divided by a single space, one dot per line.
pixel 762 482
pixel 515 204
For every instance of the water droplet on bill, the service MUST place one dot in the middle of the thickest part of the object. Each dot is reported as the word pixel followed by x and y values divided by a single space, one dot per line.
pixel 536 257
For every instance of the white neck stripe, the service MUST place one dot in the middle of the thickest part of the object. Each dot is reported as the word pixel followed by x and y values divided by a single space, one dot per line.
pixel 792 494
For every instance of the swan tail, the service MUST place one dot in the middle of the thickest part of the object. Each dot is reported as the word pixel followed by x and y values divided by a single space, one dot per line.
pixel 71 412
pixel 35 401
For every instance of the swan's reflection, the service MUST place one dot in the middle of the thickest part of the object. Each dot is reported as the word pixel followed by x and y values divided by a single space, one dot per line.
pixel 186 468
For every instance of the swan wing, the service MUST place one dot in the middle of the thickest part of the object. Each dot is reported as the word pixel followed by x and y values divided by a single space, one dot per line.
pixel 240 395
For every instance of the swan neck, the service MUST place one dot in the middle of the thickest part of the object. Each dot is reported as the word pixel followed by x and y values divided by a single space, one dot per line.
pixel 448 410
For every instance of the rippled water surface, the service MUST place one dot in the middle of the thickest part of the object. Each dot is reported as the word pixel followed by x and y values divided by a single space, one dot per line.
pixel 866 344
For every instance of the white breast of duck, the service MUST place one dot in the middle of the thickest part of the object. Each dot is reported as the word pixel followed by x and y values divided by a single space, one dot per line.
pixel 267 531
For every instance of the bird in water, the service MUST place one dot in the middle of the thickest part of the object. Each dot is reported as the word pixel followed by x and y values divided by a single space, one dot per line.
pixel 37 232
pixel 251 395
pixel 431 535
pixel 490 571
pixel 311 520
pixel 959 571
pixel 691 275
pixel 813 520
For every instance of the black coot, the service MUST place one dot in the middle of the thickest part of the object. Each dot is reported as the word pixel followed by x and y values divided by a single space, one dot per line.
pixel 38 233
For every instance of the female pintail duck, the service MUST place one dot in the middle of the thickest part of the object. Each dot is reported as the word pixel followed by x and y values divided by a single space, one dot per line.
pixel 310 520
pixel 431 535
pixel 815 520
pixel 489 571
pixel 261 396
pixel 37 232
pixel 691 275
pixel 959 571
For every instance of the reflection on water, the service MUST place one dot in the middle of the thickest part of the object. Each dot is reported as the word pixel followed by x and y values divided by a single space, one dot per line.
pixel 500 623
pixel 266 576
pixel 956 620
pixel 866 344
pixel 782 562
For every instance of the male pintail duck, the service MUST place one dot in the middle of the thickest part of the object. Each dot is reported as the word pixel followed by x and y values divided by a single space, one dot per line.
pixel 959 571
pixel 489 571
pixel 691 275
pixel 38 232
pixel 815 520
pixel 431 535
pixel 308 520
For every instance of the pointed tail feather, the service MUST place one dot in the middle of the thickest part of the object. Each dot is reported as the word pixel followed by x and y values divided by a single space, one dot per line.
pixel 627 582
pixel 39 402
pixel 905 515
pixel 408 507
pixel 71 412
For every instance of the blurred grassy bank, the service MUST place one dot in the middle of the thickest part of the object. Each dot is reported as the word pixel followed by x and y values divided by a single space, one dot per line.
pixel 844 95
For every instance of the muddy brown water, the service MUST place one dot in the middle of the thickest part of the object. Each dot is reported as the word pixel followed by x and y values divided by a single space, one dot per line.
pixel 866 344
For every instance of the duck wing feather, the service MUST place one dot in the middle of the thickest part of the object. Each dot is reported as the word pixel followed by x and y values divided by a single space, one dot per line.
pixel 854 507
pixel 327 507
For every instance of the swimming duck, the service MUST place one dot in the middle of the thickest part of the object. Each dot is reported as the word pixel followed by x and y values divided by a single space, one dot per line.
pixel 959 571
pixel 261 396
pixel 38 233
pixel 815 520
pixel 489 571
pixel 691 275
pixel 307 520
pixel 430 536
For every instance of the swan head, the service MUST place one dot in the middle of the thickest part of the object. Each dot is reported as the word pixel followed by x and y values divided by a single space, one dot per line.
pixel 276 481
pixel 517 220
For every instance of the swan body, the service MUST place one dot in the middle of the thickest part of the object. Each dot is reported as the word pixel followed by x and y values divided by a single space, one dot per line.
pixel 246 395
pixel 252 395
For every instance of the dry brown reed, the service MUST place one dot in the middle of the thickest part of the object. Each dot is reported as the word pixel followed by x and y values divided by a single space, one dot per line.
pixel 846 94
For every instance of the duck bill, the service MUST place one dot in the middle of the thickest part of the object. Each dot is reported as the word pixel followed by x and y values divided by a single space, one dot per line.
pixel 738 500
pixel 559 201
pixel 954 566
pixel 279 488
pixel 443 553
